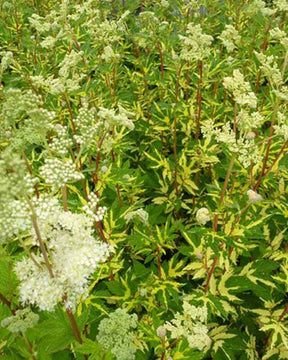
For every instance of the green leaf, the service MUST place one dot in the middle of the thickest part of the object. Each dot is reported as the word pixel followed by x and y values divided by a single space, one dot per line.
pixel 54 333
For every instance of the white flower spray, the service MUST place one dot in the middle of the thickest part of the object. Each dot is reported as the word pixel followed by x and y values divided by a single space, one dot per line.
pixel 74 254
pixel 191 324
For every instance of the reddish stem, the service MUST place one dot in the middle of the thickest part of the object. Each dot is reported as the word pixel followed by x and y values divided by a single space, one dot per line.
pixel 161 59
pixel 188 81
pixel 263 174
pixel 7 303
pixel 211 273
pixel 175 134
pixel 41 243
pixel 159 262
pixel 279 319
pixel 215 222
pixel 74 326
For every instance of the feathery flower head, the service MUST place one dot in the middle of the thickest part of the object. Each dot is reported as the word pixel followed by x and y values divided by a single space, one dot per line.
pixel 191 325
pixel 196 44
pixel 117 334
pixel 241 89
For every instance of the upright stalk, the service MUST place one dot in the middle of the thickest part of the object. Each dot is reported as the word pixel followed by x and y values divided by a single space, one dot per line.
pixel 188 81
pixel 40 240
pixel 65 197
pixel 215 221
pixel 175 156
pixel 199 97
pixel 175 133
pixel 161 59
pixel 74 326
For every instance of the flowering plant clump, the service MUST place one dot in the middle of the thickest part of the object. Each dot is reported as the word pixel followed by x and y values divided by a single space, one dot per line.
pixel 143 179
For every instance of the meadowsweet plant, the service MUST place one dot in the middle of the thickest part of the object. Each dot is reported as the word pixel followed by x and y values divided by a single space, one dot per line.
pixel 143 179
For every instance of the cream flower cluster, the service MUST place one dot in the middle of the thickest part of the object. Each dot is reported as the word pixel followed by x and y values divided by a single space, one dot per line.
pixel 36 286
pixel 202 216
pixel 245 146
pixel 74 255
pixel 139 214
pixel 269 68
pixel 15 181
pixel 283 93
pixel 45 207
pixel 280 35
pixel 54 22
pixel 191 325
pixel 18 103
pixel 247 121
pixel 224 134
pixel 260 6
pixel 86 125
pixel 149 21
pixel 60 144
pixel 150 27
pixel 14 218
pixel 92 210
pixel 6 60
pixel 282 5
pixel 230 38
pixel 107 31
pixel 193 5
pixel 248 152
pixel 164 3
pixel 60 85
pixel 41 24
pixel 58 172
pixel 282 128
pixel 241 89
pixel 49 42
pixel 15 185
pixel 69 63
pixel 117 334
pixel 86 8
pixel 109 55
pixel 111 118
pixel 195 45
pixel 161 331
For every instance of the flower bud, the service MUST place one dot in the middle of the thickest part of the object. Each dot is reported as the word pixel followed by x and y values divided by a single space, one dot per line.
pixel 254 196
pixel 250 135
pixel 199 255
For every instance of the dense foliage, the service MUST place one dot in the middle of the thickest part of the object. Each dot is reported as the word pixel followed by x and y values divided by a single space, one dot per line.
pixel 143 179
